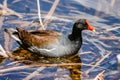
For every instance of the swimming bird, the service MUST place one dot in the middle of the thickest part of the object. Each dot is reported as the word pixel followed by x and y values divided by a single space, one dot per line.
pixel 51 43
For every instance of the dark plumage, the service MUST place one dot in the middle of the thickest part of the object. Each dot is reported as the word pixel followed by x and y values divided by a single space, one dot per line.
pixel 51 43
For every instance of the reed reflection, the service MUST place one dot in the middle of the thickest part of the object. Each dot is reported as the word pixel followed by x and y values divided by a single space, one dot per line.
pixel 71 63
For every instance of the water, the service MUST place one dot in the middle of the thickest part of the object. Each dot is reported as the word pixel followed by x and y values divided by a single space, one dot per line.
pixel 104 15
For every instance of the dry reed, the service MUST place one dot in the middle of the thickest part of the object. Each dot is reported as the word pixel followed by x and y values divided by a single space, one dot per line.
pixel 7 11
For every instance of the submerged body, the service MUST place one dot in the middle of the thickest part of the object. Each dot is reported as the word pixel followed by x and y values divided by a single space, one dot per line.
pixel 51 43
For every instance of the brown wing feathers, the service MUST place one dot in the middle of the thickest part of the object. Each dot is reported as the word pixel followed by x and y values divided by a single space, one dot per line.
pixel 39 38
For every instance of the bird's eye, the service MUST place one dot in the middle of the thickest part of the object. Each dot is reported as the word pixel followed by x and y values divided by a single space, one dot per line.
pixel 86 24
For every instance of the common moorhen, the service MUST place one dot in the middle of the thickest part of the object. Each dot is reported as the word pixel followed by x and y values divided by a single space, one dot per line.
pixel 51 43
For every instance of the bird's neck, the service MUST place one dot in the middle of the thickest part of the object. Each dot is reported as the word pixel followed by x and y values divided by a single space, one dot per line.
pixel 76 35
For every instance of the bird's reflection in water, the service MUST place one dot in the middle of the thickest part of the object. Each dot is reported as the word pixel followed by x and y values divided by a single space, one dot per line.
pixel 2 59
pixel 71 63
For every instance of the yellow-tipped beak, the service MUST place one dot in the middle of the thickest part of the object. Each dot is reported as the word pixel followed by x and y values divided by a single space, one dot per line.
pixel 90 27
pixel 93 30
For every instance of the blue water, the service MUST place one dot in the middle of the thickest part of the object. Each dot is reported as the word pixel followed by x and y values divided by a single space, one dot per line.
pixel 104 16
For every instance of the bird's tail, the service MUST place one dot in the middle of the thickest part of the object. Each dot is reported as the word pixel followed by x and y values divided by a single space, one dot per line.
pixel 22 34
pixel 13 33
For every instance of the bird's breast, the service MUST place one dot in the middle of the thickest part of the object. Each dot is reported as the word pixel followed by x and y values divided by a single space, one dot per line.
pixel 56 50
